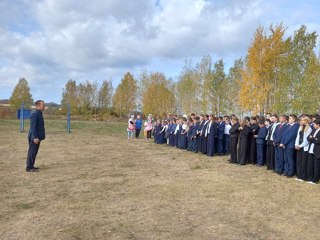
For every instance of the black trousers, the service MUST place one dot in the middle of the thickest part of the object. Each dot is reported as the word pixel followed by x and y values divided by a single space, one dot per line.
pixel 32 154
pixel 313 168
pixel 149 134
pixel 233 149
pixel 137 132
pixel 302 164
pixel 242 151
pixel 270 156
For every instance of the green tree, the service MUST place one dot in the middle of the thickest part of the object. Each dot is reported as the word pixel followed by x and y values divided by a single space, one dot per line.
pixel 87 95
pixel 70 96
pixel 105 95
pixel 21 94
pixel 217 91
pixel 300 61
pixel 204 80
pixel 187 99
pixel 158 99
pixel 230 90
pixel 124 99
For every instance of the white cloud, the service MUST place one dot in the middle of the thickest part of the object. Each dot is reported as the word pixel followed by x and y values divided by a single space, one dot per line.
pixel 51 41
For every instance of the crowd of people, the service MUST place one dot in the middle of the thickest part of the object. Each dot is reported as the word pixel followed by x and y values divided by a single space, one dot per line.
pixel 287 145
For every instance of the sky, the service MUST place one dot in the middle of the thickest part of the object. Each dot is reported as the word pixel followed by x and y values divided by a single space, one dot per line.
pixel 49 42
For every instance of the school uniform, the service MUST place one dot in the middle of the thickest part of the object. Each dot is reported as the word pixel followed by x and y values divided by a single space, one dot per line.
pixel 167 134
pixel 195 137
pixel 211 133
pixel 252 149
pixel 226 139
pixel 162 135
pixel 260 144
pixel 183 137
pixel 157 131
pixel 204 138
pixel 220 135
pixel 302 154
pixel 313 162
pixel 279 152
pixel 177 132
pixel 270 151
pixel 234 136
pixel 171 134
pixel 199 137
pixel 243 145
pixel 288 140
pixel 154 133
pixel 189 136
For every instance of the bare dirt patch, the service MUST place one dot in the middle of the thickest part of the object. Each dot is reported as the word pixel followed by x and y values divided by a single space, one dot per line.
pixel 96 184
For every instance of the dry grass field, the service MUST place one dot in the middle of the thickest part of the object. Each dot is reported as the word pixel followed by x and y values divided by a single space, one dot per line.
pixel 96 184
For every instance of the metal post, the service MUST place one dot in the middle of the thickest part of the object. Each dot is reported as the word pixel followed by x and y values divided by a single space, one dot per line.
pixel 68 120
pixel 22 118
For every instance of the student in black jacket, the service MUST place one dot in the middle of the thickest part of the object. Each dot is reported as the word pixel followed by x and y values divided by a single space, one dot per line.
pixel 252 149
pixel 313 163
pixel 243 142
pixel 234 135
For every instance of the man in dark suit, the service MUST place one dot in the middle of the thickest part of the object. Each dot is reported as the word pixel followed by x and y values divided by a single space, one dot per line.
pixel 279 151
pixel 36 135
pixel 287 143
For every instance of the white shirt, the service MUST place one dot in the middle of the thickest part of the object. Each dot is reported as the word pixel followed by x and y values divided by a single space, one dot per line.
pixel 208 129
pixel 164 128
pixel 205 130
pixel 177 129
pixel 273 128
pixel 227 129
pixel 305 142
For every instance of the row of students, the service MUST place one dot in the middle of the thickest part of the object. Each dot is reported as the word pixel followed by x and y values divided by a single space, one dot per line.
pixel 199 134
pixel 281 143
pixel 293 147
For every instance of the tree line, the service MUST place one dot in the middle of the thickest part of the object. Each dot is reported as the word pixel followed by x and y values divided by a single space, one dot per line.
pixel 278 74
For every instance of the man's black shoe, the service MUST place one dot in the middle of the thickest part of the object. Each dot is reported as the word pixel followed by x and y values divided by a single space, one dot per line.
pixel 32 170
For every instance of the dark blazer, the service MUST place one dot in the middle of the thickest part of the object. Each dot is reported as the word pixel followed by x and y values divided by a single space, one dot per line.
pixel 172 128
pixel 195 129
pixel 36 126
pixel 220 130
pixel 204 128
pixel 254 129
pixel 244 132
pixel 289 135
pixel 261 136
pixel 316 141
pixel 234 131
pixel 190 130
pixel 278 133
pixel 200 127
pixel 213 129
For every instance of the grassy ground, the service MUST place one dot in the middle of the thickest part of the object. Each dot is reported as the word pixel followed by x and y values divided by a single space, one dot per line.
pixel 96 184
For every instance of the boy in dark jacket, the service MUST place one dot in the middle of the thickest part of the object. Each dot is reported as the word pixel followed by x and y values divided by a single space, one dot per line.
pixel 261 143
